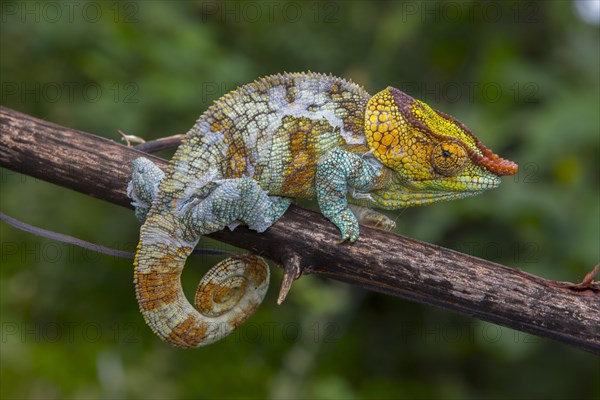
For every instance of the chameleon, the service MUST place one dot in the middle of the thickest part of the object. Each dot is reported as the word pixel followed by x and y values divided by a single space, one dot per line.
pixel 280 138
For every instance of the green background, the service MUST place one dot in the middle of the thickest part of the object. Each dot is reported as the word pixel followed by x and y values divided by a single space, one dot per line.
pixel 523 76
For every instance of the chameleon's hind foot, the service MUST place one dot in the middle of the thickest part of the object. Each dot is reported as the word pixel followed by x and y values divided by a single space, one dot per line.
pixel 143 187
pixel 372 218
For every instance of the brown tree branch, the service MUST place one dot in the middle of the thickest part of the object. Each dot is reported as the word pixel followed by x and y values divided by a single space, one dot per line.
pixel 379 261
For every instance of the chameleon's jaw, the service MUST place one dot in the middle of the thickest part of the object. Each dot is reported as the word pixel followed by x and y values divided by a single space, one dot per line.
pixel 397 200
pixel 477 184
pixel 471 179
pixel 400 193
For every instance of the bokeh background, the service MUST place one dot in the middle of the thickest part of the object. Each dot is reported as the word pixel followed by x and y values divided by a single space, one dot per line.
pixel 524 76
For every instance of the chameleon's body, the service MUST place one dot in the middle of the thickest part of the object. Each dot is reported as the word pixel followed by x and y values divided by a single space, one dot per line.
pixel 283 137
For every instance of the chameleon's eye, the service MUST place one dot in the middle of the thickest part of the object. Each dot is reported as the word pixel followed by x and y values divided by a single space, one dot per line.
pixel 448 158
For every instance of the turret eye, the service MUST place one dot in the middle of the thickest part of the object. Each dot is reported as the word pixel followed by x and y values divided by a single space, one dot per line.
pixel 448 158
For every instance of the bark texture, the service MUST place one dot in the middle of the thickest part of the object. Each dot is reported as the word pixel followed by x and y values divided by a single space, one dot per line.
pixel 379 261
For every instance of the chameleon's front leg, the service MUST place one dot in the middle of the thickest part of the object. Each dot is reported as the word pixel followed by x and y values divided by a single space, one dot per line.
pixel 338 172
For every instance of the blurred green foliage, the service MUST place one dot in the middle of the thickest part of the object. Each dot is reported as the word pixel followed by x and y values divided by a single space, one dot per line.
pixel 523 75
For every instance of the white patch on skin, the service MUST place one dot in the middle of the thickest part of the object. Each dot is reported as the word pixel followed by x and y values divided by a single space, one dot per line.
pixel 375 163
pixel 299 108
pixel 233 225
pixel 166 317
pixel 195 186
pixel 262 121
pixel 159 236
pixel 359 195
pixel 251 141
pixel 202 128
pixel 175 312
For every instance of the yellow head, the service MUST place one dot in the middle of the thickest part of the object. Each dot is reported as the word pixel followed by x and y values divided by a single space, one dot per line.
pixel 432 155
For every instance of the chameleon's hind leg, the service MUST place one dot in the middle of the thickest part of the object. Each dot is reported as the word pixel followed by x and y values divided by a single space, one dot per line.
pixel 235 201
pixel 372 218
pixel 143 187
pixel 146 177
pixel 223 295
pixel 231 290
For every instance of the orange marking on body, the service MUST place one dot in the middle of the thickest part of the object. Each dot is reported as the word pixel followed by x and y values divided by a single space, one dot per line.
pixel 236 156
pixel 189 333
pixel 216 126
pixel 356 148
pixel 204 297
pixel 255 270
pixel 387 140
pixel 156 288
pixel 300 170
pixel 237 161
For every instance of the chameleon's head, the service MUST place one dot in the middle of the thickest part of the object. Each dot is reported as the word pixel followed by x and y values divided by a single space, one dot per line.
pixel 434 157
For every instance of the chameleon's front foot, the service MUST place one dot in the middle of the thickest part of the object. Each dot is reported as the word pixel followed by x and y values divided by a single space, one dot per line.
pixel 348 226
pixel 348 222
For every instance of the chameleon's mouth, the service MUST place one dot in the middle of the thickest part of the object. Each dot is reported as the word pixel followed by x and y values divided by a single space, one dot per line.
pixel 453 185
pixel 477 183
pixel 392 201
pixel 403 194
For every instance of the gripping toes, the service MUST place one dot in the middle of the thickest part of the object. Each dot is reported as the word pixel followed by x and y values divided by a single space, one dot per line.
pixel 278 207
pixel 143 187
pixel 372 218
pixel 348 226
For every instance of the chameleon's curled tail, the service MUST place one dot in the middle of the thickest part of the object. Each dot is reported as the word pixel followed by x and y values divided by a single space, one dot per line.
pixel 226 296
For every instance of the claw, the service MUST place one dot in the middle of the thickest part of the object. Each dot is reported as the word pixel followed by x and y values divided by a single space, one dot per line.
pixel 351 238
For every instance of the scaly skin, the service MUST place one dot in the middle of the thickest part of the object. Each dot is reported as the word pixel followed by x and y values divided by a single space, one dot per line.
pixel 283 137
